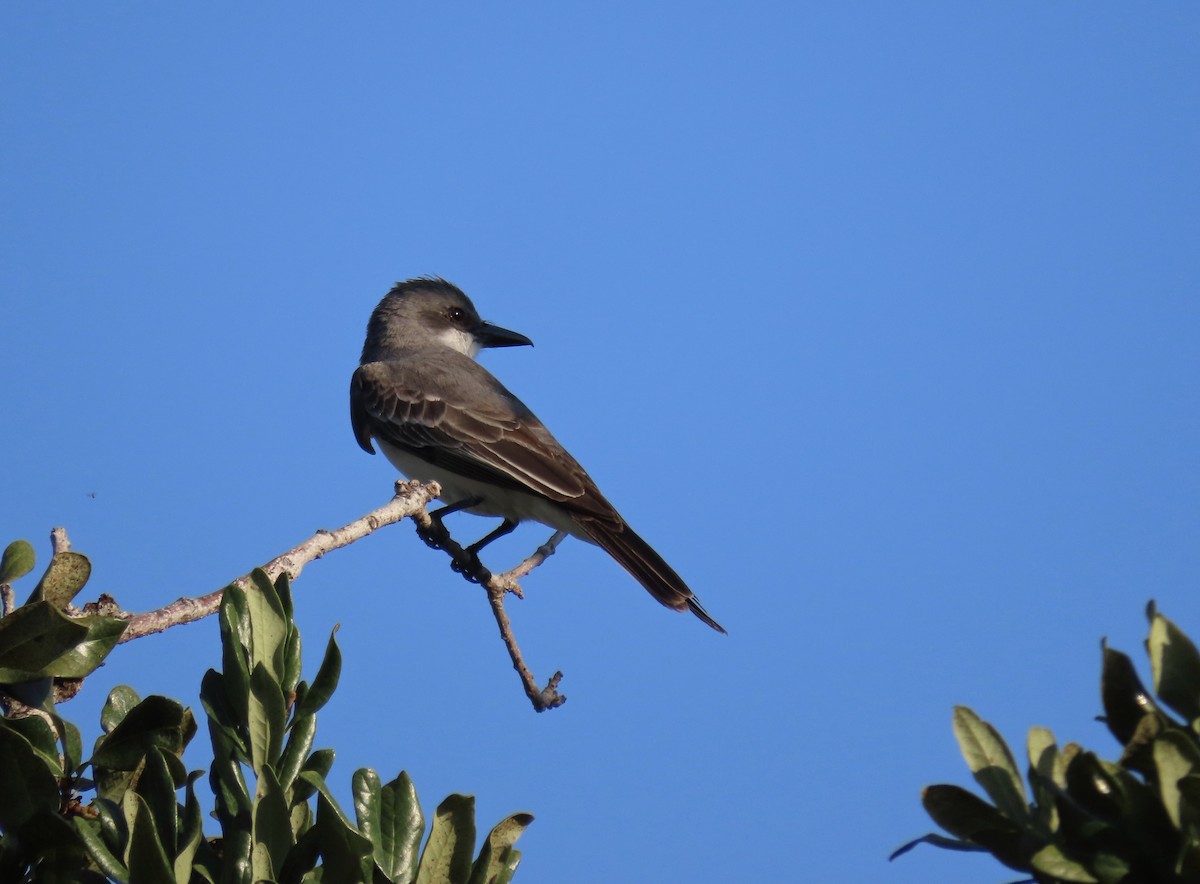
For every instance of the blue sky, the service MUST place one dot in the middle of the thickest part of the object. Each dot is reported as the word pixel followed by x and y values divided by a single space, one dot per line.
pixel 902 301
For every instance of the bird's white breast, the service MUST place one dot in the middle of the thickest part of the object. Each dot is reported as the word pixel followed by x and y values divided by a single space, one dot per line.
pixel 506 503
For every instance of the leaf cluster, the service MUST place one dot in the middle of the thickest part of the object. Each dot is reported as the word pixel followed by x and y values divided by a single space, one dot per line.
pixel 1083 818
pixel 277 816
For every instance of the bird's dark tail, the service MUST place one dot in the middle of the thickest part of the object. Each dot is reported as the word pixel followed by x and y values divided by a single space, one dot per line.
pixel 648 567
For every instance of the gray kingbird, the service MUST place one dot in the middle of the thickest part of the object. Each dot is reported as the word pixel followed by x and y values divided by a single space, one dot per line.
pixel 439 415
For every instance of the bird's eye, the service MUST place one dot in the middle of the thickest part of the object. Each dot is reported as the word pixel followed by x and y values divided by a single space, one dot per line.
pixel 457 314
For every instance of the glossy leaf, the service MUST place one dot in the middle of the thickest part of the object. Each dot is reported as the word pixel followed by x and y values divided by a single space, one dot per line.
pixel 33 638
pixel 154 723
pixel 17 561
pixel 345 850
pixel 299 744
pixel 272 828
pixel 346 853
pixel 390 817
pixel 191 831
pixel 157 789
pixel 1125 698
pixel 120 700
pixel 451 845
pixel 292 662
pixel 991 762
pixel 267 717
pixel 326 680
pixel 146 858
pixel 85 657
pixel 42 739
pixel 215 701
pixel 268 628
pixel 72 743
pixel 26 785
pixel 65 576
pixel 99 851
pixel 318 764
pixel 235 673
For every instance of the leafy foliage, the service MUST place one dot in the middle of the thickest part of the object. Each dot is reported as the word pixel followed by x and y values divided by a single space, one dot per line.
pixel 1085 819
pixel 265 775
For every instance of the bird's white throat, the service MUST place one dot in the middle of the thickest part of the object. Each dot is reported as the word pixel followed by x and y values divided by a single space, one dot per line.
pixel 457 339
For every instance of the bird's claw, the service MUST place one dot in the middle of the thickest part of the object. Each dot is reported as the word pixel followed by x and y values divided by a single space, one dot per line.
pixel 469 566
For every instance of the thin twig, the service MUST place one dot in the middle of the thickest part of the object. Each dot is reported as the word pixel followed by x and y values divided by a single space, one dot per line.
pixel 497 586
pixel 410 500
pixel 8 600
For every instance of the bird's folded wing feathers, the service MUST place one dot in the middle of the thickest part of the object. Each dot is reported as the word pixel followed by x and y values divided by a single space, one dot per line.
pixel 496 439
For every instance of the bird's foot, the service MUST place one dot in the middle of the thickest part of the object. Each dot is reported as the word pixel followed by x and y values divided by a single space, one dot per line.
pixel 468 565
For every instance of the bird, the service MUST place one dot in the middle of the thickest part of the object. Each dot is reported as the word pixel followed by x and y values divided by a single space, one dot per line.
pixel 437 414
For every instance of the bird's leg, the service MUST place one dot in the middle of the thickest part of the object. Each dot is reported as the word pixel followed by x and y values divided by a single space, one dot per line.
pixel 469 565
pixel 435 534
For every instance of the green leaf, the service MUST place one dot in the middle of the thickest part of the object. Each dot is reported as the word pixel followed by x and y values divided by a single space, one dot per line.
pixel 451 845
pixel 992 763
pixel 345 850
pixel 390 816
pixel 215 700
pixel 72 743
pixel 1125 698
pixel 267 718
pixel 155 723
pixel 302 858
pixel 113 827
pixel 299 744
pixel 157 789
pixel 103 633
pixel 42 739
pixel 970 818
pixel 498 860
pixel 268 628
pixel 326 680
pixel 227 782
pixel 98 850
pixel 235 672
pixel 191 831
pixel 1043 777
pixel 17 561
pixel 147 859
pixel 65 576
pixel 1176 757
pixel 318 764
pixel 33 638
pixel 26 784
pixel 120 700
pixel 346 853
pixel 292 661
pixel 1051 860
pixel 272 827
pixel 1176 667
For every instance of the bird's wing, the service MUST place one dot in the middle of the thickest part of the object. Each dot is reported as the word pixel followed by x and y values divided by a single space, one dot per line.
pixel 473 427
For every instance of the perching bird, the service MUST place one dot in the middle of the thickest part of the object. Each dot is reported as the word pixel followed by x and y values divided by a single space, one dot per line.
pixel 439 415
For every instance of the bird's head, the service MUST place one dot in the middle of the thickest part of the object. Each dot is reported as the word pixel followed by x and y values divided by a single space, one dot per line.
pixel 430 312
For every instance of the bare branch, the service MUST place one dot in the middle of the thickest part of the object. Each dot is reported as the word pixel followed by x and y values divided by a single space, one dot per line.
pixel 410 501
pixel 465 562
pixel 59 543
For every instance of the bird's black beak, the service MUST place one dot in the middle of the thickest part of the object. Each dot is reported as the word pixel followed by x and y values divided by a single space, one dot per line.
pixel 488 335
